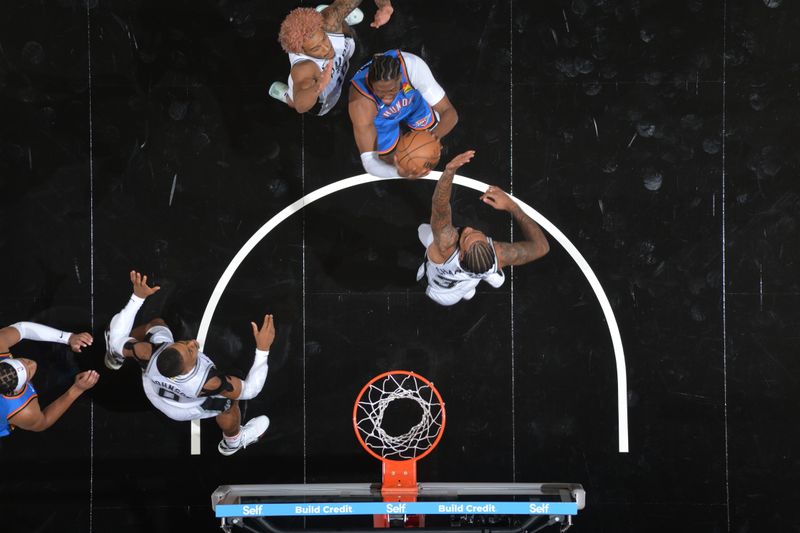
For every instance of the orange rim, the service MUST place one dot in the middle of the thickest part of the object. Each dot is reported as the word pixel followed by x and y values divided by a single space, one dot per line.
pixel 416 376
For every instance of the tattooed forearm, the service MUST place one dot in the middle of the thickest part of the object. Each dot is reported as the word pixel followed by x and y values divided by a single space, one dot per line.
pixel 532 248
pixel 441 216
pixel 441 196
pixel 336 13
pixel 515 254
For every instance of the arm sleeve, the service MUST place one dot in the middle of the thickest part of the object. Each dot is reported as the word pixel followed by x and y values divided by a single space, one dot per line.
pixel 37 332
pixel 122 324
pixel 422 79
pixel 376 166
pixel 252 386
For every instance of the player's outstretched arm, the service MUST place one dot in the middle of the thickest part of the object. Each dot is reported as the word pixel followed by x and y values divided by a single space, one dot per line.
pixel 334 14
pixel 11 335
pixel 238 389
pixel 445 235
pixel 535 244
pixel 33 418
pixel 122 323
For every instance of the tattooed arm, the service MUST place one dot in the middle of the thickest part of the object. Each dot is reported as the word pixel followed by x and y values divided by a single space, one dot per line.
pixel 535 244
pixel 335 14
pixel 445 236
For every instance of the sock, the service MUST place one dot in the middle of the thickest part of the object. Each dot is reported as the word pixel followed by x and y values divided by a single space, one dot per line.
pixel 235 441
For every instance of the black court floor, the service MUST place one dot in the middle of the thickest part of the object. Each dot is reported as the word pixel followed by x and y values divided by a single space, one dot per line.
pixel 659 136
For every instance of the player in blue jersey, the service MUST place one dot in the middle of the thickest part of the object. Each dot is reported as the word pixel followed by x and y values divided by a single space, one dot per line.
pixel 19 404
pixel 395 88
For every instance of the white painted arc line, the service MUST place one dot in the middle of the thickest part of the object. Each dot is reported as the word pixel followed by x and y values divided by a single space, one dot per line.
pixel 251 243
pixel 605 305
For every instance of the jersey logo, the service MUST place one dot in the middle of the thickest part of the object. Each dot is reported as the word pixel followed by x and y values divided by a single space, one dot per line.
pixel 407 88
pixel 421 122
pixel 397 107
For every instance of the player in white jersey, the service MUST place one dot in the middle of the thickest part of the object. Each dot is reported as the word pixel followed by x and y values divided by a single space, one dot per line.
pixel 456 260
pixel 320 44
pixel 180 380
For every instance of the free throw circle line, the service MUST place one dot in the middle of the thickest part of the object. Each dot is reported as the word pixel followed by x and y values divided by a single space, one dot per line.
pixel 549 227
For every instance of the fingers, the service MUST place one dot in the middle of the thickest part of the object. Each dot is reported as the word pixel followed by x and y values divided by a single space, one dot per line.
pixel 494 192
pixel 255 329
pixel 88 379
pixel 267 321
pixel 79 340
pixel 463 158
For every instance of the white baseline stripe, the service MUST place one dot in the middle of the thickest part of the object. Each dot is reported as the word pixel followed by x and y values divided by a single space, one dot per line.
pixel 611 321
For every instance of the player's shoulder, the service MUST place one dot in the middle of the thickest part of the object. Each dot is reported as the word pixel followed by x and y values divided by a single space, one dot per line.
pixel 410 55
pixel 304 68
pixel 411 60
pixel 359 103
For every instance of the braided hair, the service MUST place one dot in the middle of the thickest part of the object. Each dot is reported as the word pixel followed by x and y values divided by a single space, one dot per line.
pixel 8 378
pixel 478 258
pixel 384 68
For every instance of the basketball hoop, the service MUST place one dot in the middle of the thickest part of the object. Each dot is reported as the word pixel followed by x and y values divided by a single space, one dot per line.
pixel 399 453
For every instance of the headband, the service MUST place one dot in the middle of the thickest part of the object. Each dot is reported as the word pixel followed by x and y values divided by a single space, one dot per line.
pixel 22 374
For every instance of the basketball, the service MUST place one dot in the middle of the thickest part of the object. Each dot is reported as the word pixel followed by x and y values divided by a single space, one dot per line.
pixel 417 151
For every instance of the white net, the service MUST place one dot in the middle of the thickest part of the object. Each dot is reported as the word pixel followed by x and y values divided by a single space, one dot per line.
pixel 372 410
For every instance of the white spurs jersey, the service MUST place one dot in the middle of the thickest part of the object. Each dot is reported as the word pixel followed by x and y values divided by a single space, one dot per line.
pixel 448 275
pixel 343 48
pixel 180 391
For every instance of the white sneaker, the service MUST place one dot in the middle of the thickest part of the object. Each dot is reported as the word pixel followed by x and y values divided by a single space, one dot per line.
pixel 425 234
pixel 421 271
pixel 355 16
pixel 251 432
pixel 279 91
pixel 112 359
pixel 496 279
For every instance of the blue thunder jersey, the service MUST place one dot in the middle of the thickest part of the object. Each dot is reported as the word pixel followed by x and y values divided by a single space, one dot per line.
pixel 408 107
pixel 13 404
